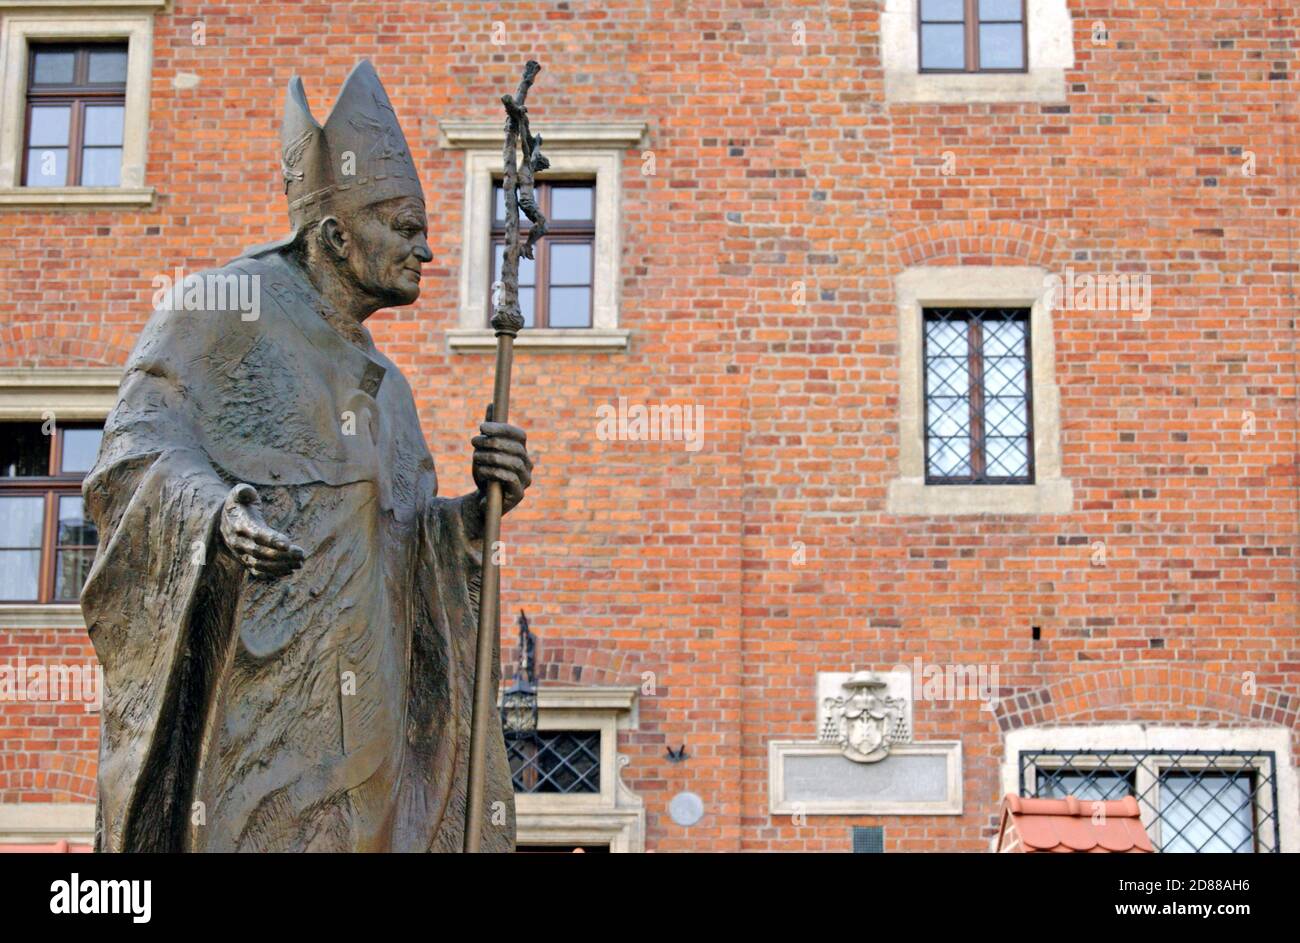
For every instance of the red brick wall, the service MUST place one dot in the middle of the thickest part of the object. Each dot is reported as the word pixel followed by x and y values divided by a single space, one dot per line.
pixel 777 164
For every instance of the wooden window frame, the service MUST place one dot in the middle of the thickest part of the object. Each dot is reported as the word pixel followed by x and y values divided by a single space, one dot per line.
pixel 79 94
pixel 51 486
pixel 975 398
pixel 970 25
pixel 569 232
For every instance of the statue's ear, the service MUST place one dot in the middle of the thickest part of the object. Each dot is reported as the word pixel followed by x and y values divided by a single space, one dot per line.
pixel 333 237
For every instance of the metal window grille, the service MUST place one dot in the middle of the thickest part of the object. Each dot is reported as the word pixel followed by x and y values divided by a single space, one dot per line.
pixel 1191 801
pixel 556 761
pixel 868 839
pixel 978 396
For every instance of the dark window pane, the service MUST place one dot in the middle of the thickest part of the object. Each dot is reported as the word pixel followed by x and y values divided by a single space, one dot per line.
pixel 943 46
pixel 49 126
pixel 21 521
pixel 571 263
pixel 943 10
pixel 80 446
pixel 24 450
pixel 571 203
pixel 54 66
pixel 1002 46
pixel 101 167
pixel 70 572
pixel 1086 785
pixel 1206 812
pixel 19 574
pixel 47 167
pixel 74 529
pixel 1000 9
pixel 569 307
pixel 107 66
pixel 104 125
pixel 556 761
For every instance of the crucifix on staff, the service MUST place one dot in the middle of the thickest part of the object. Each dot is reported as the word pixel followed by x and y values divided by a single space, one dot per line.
pixel 522 159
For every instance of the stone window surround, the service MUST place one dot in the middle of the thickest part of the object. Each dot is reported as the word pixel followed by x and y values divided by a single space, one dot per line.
pixel 1158 737
pixel 976 286
pixel 1049 40
pixel 88 20
pixel 615 816
pixel 576 150
pixel 71 394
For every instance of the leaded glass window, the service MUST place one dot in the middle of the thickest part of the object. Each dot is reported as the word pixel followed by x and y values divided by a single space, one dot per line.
pixel 978 404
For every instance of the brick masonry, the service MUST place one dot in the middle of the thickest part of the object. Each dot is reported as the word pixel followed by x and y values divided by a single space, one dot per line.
pixel 777 164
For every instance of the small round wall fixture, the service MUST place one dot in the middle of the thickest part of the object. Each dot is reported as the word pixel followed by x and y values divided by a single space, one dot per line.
pixel 686 808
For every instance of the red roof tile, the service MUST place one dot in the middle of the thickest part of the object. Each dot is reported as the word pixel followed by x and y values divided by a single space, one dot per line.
pixel 1071 825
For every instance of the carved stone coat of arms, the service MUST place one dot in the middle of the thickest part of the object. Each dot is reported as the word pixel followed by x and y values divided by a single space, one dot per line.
pixel 865 718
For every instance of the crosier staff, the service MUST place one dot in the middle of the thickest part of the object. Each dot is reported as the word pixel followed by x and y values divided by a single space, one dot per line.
pixel 507 322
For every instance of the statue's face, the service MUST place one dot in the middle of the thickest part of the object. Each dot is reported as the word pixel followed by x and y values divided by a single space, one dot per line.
pixel 388 244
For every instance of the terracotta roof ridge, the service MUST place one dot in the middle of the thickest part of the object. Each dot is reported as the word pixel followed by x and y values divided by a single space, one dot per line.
pixel 1126 808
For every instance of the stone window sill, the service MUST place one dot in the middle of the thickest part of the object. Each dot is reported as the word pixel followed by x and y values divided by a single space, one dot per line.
pixel 913 497
pixel 41 616
pixel 1038 85
pixel 76 196
pixel 462 340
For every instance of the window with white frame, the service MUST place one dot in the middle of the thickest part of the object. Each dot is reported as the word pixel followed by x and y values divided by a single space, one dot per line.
pixel 979 409
pixel 971 51
pixel 556 285
pixel 74 104
pixel 1199 789
pixel 47 544
pixel 50 423
pixel 568 792
pixel 570 295
pixel 1201 801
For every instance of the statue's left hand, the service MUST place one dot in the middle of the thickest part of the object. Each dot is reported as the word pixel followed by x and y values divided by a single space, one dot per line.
pixel 501 454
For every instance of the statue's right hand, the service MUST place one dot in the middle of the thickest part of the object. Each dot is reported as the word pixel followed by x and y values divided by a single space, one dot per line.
pixel 265 552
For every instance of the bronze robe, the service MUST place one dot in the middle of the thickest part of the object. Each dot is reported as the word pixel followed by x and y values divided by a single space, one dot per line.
pixel 325 710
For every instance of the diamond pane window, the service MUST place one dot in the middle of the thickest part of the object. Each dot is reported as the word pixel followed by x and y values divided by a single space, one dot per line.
pixel 978 409
pixel 1191 801
pixel 1208 812
pixel 1096 785
pixel 556 761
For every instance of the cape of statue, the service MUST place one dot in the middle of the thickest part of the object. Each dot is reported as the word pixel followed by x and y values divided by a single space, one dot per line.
pixel 261 696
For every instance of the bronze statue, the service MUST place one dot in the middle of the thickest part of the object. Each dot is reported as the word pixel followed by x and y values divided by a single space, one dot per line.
pixel 285 609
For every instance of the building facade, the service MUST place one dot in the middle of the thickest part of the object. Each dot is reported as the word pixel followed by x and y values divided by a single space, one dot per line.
pixel 911 383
